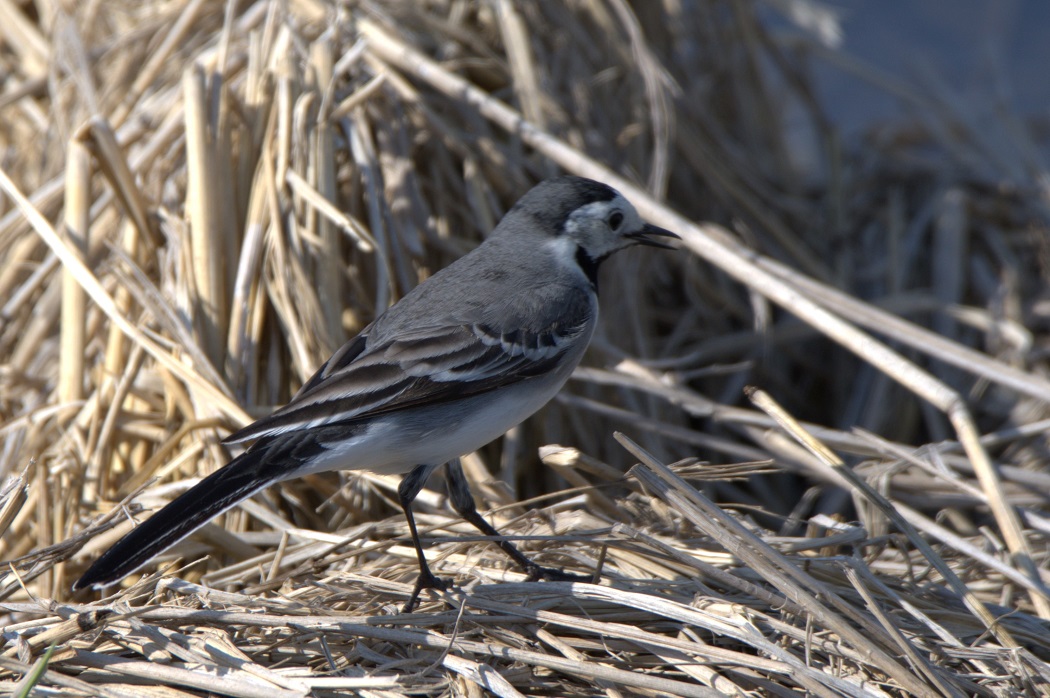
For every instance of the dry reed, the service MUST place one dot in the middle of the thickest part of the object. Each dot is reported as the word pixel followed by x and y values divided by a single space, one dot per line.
pixel 200 201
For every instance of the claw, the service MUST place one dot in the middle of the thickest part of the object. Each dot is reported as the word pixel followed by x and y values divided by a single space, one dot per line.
pixel 426 580
pixel 550 574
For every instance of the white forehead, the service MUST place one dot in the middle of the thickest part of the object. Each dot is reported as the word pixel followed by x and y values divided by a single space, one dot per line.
pixel 601 210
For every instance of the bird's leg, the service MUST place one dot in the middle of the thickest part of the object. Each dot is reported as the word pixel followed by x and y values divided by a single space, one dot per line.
pixel 410 486
pixel 463 503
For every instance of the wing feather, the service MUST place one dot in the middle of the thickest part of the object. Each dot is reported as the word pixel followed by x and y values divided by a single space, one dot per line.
pixel 427 366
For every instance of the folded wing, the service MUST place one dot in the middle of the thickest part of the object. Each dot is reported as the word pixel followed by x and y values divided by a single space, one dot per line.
pixel 428 366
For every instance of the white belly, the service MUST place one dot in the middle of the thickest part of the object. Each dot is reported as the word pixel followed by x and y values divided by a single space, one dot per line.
pixel 398 442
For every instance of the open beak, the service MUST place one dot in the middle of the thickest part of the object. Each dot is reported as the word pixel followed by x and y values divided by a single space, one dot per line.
pixel 646 236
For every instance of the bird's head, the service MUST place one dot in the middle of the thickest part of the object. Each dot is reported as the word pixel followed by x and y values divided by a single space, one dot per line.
pixel 584 218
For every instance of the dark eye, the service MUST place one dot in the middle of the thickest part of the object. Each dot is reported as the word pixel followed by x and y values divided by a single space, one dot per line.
pixel 616 220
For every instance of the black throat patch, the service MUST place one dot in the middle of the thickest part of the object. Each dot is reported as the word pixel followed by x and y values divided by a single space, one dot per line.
pixel 589 265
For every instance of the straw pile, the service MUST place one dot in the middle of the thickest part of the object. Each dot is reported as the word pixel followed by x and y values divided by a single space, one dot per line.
pixel 201 201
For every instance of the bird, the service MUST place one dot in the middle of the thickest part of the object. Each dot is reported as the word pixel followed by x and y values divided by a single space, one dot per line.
pixel 466 355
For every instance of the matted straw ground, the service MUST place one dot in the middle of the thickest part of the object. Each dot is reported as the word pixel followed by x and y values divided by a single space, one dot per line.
pixel 200 201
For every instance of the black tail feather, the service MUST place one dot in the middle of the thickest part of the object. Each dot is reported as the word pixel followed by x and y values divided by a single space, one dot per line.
pixel 262 465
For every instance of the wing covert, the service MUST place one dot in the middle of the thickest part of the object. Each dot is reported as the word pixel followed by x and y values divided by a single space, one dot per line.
pixel 427 366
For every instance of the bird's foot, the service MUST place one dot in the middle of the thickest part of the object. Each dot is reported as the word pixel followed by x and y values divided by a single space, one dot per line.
pixel 550 574
pixel 426 580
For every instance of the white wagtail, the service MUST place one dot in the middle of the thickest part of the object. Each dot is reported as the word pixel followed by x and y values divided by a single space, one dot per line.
pixel 462 358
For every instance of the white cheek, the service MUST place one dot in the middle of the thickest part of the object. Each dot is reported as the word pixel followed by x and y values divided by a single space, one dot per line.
pixel 563 251
pixel 605 246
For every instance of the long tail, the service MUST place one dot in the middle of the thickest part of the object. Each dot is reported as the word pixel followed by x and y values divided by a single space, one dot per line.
pixel 264 464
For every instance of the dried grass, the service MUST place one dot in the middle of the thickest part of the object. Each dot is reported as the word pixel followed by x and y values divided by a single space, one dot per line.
pixel 201 201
